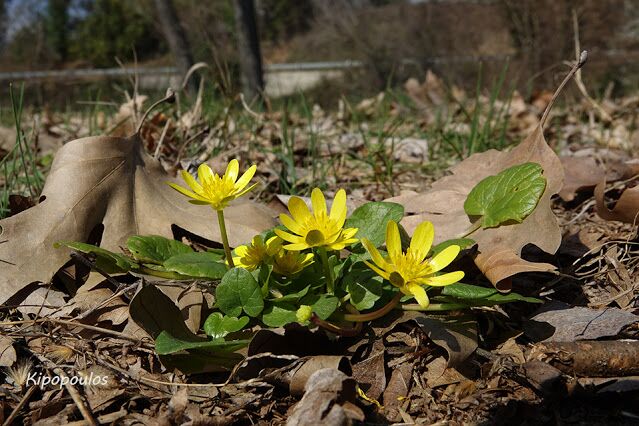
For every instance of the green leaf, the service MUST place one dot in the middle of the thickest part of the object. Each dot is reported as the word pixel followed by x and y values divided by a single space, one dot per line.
pixel 279 314
pixel 291 296
pixel 155 249
pixel 511 195
pixel 196 264
pixel 467 291
pixel 371 218
pixel 109 262
pixel 323 305
pixel 475 295
pixel 166 344
pixel 238 291
pixel 218 325
pixel 364 287
pixel 461 242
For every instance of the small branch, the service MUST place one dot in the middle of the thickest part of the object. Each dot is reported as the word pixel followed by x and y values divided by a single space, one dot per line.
pixel 580 84
pixel 170 98
pixel 77 398
pixel 9 420
pixel 118 334
pixel 583 57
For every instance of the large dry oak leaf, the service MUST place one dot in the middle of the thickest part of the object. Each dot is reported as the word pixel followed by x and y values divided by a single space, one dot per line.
pixel 113 182
pixel 499 254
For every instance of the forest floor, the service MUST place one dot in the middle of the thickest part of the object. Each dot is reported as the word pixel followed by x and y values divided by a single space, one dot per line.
pixel 568 360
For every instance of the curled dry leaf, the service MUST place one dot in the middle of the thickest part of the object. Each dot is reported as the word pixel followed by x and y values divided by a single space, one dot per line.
pixel 499 249
pixel 580 173
pixel 111 182
pixel 7 352
pixel 329 399
pixel 559 322
pixel 625 210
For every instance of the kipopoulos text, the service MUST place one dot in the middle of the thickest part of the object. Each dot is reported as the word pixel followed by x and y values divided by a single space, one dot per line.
pixel 42 380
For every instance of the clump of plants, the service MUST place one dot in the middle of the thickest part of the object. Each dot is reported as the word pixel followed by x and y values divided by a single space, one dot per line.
pixel 322 267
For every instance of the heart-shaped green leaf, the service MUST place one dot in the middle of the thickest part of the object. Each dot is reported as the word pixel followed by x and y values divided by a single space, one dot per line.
pixel 510 195
pixel 238 291
pixel 109 262
pixel 196 264
pixel 323 305
pixel 154 248
pixel 279 314
pixel 166 344
pixel 364 286
pixel 218 325
pixel 371 218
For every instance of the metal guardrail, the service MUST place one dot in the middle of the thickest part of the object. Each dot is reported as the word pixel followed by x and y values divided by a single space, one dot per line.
pixel 85 73
pixel 125 72
pixel 71 74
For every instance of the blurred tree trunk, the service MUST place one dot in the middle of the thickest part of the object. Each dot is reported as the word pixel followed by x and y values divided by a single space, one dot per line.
pixel 58 27
pixel 3 25
pixel 176 37
pixel 249 53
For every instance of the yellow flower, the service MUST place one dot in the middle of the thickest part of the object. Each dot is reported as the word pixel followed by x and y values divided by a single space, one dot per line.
pixel 317 229
pixel 257 253
pixel 213 189
pixel 289 263
pixel 411 270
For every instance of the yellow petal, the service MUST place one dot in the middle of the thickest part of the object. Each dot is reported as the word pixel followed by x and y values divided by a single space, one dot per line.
pixel 349 233
pixel 444 258
pixel 422 240
pixel 419 293
pixel 308 259
pixel 375 255
pixel 338 209
pixel 205 174
pixel 289 237
pixel 445 279
pixel 291 224
pixel 244 191
pixel 191 182
pixel 299 210
pixel 318 202
pixel 393 241
pixel 232 170
pixel 241 250
pixel 273 245
pixel 296 246
pixel 188 193
pixel 245 178
pixel 378 271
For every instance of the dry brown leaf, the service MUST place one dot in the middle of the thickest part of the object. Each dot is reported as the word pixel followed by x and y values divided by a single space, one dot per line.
pixel 499 248
pixel 580 173
pixel 7 352
pixel 625 210
pixel 113 182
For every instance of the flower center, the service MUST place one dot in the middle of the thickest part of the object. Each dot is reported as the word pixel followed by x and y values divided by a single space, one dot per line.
pixel 314 237
pixel 396 279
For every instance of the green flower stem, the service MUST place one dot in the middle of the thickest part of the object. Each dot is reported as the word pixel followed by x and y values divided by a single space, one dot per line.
pixel 473 227
pixel 375 314
pixel 225 238
pixel 342 331
pixel 435 307
pixel 330 281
